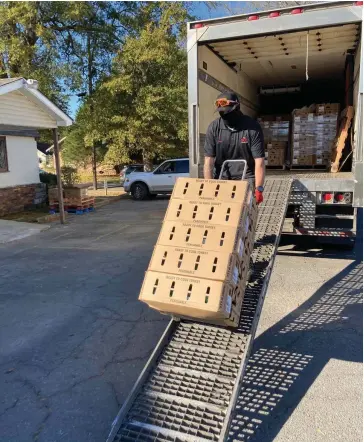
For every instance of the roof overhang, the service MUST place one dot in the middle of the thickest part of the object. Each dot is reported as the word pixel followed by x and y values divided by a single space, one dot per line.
pixel 29 90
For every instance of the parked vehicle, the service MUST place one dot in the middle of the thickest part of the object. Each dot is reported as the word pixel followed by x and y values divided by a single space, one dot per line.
pixel 127 170
pixel 161 181
pixel 277 62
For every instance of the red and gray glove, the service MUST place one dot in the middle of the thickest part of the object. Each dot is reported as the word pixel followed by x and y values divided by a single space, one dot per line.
pixel 259 195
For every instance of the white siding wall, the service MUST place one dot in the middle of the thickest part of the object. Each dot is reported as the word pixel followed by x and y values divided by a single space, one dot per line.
pixel 23 162
pixel 17 110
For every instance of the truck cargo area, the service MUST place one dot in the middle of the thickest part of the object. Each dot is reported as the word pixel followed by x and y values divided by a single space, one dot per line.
pixel 275 73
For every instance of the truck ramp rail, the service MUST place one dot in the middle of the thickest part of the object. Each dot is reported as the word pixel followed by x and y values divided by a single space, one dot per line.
pixel 189 387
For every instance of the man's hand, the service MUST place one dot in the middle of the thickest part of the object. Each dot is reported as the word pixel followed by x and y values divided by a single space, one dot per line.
pixel 258 196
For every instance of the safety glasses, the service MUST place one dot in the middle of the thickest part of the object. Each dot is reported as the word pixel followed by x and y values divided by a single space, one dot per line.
pixel 222 102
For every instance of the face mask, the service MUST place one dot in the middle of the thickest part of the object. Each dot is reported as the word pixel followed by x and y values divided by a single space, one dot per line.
pixel 232 118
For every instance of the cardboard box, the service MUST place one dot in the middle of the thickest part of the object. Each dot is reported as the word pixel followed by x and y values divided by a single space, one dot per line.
pixel 197 263
pixel 235 191
pixel 184 296
pixel 212 212
pixel 217 238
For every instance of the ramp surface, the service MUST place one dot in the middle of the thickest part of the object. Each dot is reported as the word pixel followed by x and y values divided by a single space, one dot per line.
pixel 189 387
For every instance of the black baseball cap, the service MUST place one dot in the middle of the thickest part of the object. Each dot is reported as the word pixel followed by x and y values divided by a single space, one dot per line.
pixel 231 96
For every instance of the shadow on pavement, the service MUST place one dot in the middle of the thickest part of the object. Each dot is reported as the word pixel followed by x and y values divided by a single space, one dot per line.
pixel 317 331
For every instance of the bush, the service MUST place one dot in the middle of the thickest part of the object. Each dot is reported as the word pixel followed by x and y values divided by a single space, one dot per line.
pixel 48 178
pixel 69 175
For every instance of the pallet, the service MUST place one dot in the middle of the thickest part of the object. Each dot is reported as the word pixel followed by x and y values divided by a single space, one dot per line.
pixel 346 118
pixel 76 210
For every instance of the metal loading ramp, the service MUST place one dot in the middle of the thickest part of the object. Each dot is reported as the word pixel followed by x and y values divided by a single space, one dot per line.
pixel 189 387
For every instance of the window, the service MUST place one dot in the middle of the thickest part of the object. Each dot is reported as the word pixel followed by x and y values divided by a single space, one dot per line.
pixel 169 167
pixel 3 155
pixel 183 166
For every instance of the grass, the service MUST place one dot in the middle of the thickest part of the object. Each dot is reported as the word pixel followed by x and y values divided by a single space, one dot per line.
pixel 29 216
pixel 81 178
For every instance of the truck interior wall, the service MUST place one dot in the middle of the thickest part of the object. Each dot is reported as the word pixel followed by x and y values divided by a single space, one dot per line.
pixel 357 114
pixel 214 77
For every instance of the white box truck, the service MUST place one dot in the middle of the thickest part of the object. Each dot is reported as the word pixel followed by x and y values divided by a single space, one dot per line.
pixel 278 61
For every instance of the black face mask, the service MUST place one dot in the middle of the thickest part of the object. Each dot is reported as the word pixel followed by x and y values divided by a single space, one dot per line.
pixel 231 118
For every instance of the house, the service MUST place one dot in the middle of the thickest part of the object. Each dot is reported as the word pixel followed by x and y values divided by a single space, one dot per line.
pixel 45 157
pixel 23 111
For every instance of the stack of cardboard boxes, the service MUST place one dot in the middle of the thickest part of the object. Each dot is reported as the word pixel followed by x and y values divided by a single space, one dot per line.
pixel 313 133
pixel 276 135
pixel 200 263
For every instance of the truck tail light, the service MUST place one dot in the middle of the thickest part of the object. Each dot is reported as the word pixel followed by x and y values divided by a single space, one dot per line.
pixel 358 4
pixel 342 197
pixel 297 11
pixel 274 14
pixel 253 17
pixel 327 198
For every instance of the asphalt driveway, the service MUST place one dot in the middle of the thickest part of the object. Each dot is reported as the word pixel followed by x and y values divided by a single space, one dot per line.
pixel 74 338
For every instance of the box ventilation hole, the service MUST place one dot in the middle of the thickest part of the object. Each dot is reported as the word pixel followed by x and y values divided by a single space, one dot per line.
pixel 189 292
pixel 172 232
pixel 217 190
pixel 155 286
pixel 197 262
pixel 164 258
pixel 207 295
pixel 222 239
pixel 201 189
pixel 180 260
pixel 214 265
pixel 172 289
pixel 188 235
pixel 211 213
pixel 185 189
pixel 204 237
pixel 194 212
pixel 233 192
pixel 227 214
pixel 179 210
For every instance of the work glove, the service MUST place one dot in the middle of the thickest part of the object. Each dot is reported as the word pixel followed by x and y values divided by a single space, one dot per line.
pixel 258 196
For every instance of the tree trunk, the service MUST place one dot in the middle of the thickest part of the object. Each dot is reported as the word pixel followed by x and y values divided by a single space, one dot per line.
pixel 89 78
pixel 147 161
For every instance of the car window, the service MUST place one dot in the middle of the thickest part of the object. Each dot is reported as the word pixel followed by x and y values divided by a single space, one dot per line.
pixel 168 167
pixel 183 166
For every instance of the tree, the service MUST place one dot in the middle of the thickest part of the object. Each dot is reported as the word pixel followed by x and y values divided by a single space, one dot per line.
pixel 147 92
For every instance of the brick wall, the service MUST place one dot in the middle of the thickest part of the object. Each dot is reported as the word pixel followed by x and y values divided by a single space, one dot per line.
pixel 16 198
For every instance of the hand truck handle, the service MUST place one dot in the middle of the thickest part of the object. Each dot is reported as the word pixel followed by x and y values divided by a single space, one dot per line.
pixel 234 161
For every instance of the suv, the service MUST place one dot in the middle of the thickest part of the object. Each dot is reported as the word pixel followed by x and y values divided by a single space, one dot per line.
pixel 161 180
pixel 130 169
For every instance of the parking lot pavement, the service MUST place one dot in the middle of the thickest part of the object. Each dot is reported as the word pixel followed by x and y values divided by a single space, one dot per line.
pixel 74 338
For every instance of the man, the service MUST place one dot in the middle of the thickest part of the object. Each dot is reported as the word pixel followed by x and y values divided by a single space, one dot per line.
pixel 235 136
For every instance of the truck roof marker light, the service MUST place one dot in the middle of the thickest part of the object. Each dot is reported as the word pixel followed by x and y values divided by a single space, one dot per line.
pixel 274 14
pixel 197 25
pixel 297 11
pixel 253 17
pixel 358 4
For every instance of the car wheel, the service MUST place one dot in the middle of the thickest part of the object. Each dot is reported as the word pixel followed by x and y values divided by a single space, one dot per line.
pixel 139 191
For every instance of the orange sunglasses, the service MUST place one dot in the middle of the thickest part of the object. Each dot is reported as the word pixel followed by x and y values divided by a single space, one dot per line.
pixel 222 102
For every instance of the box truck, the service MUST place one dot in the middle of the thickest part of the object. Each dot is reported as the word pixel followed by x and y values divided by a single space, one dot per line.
pixel 278 61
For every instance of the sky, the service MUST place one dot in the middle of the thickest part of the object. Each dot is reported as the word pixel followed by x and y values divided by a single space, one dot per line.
pixel 201 11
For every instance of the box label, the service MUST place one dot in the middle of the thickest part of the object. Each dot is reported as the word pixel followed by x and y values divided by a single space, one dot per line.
pixel 228 304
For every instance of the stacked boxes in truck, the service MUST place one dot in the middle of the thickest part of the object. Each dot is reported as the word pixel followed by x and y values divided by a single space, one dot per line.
pixel 279 61
pixel 200 264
